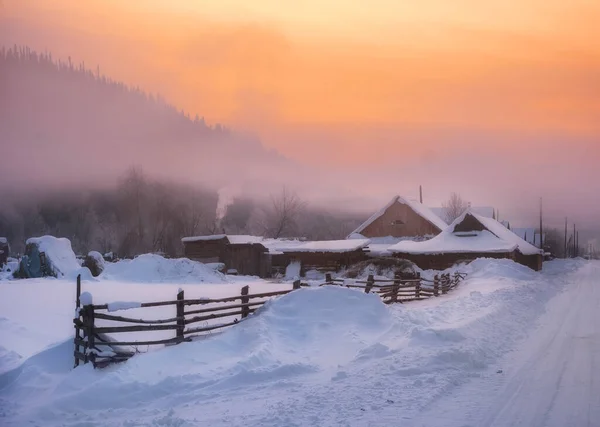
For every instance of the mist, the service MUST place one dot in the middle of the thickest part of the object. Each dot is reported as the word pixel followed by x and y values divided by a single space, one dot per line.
pixel 248 108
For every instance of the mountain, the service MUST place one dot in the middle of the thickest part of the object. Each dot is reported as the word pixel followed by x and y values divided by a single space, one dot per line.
pixel 63 124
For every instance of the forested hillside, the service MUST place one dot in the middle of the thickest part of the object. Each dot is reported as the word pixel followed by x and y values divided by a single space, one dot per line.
pixel 72 124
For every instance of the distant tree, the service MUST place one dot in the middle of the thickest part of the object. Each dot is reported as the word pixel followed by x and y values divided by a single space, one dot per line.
pixel 280 217
pixel 454 207
pixel 237 216
pixel 554 241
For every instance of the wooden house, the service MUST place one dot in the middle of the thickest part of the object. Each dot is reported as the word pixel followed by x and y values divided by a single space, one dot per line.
pixel 401 218
pixel 469 237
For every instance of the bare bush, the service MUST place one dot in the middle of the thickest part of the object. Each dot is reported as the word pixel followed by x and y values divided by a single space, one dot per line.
pixel 454 207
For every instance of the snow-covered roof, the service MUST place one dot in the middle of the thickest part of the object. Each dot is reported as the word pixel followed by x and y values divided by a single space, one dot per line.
pixel 486 211
pixel 504 233
pixel 419 208
pixel 278 246
pixel 495 238
pixel 201 238
pixel 319 246
pixel 243 239
pixel 529 234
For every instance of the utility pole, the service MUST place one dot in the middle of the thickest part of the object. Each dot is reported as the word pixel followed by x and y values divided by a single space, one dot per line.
pixel 574 254
pixel 421 193
pixel 577 240
pixel 541 227
pixel 566 250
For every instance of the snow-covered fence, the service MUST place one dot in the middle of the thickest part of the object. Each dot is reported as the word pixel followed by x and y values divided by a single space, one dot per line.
pixel 401 289
pixel 94 341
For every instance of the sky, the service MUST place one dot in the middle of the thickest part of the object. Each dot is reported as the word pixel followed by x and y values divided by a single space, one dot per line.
pixel 498 100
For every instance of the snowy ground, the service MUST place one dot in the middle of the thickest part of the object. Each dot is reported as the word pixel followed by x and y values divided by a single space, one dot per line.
pixel 325 356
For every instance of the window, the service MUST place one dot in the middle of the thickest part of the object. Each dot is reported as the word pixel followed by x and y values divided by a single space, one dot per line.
pixel 398 222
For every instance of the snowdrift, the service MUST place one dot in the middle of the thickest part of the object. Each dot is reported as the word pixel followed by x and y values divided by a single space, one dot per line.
pixel 150 268
pixel 316 351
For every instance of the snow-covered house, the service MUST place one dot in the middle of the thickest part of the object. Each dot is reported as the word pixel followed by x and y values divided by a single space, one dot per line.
pixel 259 256
pixel 401 218
pixel 469 237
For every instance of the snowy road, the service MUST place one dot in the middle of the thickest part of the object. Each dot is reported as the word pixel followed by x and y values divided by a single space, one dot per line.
pixel 553 380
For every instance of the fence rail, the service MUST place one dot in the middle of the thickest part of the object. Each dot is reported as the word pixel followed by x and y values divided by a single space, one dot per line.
pixel 402 288
pixel 94 344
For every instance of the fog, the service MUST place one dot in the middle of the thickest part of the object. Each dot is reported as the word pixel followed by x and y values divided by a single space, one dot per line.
pixel 345 128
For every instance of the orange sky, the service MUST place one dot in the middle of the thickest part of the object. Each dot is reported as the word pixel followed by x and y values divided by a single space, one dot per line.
pixel 356 80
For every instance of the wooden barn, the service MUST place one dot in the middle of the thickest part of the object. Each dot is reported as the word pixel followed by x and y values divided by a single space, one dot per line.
pixel 401 218
pixel 471 236
pixel 257 256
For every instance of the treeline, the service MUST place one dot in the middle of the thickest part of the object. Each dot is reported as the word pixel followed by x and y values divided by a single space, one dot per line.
pixel 144 215
pixel 42 63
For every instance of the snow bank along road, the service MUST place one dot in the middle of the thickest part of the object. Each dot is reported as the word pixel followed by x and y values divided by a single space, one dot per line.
pixel 553 380
pixel 334 356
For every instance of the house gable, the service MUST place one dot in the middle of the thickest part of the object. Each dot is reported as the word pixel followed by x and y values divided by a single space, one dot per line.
pixel 400 218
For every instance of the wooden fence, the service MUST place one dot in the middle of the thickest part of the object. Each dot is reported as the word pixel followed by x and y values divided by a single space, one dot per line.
pixel 94 344
pixel 402 288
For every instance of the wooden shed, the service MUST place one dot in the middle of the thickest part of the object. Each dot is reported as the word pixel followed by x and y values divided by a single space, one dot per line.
pixel 323 255
pixel 471 236
pixel 401 218
pixel 258 256
pixel 244 254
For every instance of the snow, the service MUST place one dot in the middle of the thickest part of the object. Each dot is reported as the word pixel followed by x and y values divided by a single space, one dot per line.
pixel 325 356
pixel 201 238
pixel 279 246
pixel 97 256
pixel 292 271
pixel 59 253
pixel 150 268
pixel 504 233
pixel 551 380
pixel 86 299
pixel 244 239
pixel 496 239
pixel 123 305
pixel 416 206
pixel 319 246
pixel 3 240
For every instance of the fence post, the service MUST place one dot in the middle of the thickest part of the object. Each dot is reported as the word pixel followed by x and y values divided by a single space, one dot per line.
pixel 370 283
pixel 418 286
pixel 246 300
pixel 77 318
pixel 297 285
pixel 180 315
pixel 436 286
pixel 87 313
pixel 396 287
pixel 444 284
pixel 328 279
